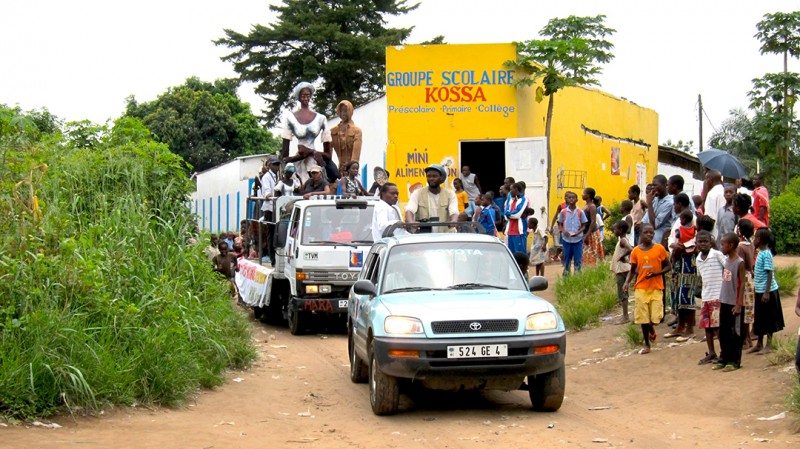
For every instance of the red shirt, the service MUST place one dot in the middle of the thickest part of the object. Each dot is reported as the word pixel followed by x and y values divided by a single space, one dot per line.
pixel 513 226
pixel 761 198
pixel 757 224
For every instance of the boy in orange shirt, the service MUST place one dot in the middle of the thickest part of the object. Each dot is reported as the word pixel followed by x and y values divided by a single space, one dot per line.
pixel 649 262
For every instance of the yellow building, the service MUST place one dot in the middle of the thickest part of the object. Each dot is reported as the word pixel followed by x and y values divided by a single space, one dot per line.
pixel 456 105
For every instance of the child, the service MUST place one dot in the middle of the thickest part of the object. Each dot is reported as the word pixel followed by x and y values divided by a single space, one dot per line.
pixel 539 246
pixel 648 263
pixel 698 204
pixel 710 264
pixel 522 262
pixel 226 263
pixel 461 195
pixel 602 216
pixel 573 223
pixel 484 214
pixel 684 235
pixel 626 209
pixel 747 253
pixel 731 297
pixel 769 315
pixel 620 266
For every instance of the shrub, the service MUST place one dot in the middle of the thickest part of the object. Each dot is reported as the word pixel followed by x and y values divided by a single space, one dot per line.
pixel 633 335
pixel 784 215
pixel 787 279
pixel 102 301
pixel 783 350
pixel 610 241
pixel 584 296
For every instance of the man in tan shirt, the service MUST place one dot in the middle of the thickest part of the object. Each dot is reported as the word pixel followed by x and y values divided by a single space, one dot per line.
pixel 346 136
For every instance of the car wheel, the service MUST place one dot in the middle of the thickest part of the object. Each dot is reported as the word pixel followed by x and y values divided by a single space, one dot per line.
pixel 547 390
pixel 358 369
pixel 384 391
pixel 258 312
pixel 297 322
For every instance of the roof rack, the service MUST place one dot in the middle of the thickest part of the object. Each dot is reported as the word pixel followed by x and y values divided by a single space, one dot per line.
pixel 430 227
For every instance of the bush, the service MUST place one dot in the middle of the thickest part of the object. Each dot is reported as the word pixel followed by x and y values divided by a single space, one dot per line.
pixel 784 215
pixel 102 300
pixel 786 277
pixel 783 350
pixel 610 241
pixel 584 296
pixel 633 335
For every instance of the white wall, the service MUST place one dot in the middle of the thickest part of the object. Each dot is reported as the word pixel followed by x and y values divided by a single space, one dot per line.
pixel 690 185
pixel 220 201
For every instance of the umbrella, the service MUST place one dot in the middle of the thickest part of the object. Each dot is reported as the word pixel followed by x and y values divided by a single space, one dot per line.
pixel 726 163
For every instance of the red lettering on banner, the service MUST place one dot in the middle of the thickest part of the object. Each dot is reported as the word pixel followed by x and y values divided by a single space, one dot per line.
pixel 454 94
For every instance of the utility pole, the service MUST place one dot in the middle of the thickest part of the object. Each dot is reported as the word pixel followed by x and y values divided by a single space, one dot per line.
pixel 700 117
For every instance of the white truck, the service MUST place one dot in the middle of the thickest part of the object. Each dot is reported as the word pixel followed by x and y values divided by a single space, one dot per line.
pixel 320 245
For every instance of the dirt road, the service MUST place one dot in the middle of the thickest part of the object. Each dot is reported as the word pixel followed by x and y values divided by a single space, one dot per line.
pixel 299 395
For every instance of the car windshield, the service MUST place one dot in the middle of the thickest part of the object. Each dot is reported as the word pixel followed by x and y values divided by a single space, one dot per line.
pixel 451 266
pixel 327 225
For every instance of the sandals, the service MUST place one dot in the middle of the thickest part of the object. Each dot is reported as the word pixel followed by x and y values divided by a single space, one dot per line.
pixel 644 351
pixel 652 335
pixel 683 339
pixel 730 367
pixel 719 366
pixel 672 334
pixel 709 358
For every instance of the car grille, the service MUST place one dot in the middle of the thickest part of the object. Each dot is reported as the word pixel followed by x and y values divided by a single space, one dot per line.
pixel 474 326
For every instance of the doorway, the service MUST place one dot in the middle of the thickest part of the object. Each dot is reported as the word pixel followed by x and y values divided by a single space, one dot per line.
pixel 487 159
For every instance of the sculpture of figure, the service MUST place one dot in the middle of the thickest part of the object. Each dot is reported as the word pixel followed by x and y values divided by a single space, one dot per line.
pixel 305 125
pixel 346 136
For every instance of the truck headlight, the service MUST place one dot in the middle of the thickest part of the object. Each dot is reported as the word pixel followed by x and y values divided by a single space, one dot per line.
pixel 544 321
pixel 402 325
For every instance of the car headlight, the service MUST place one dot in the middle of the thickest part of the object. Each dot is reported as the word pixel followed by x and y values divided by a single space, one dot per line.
pixel 544 321
pixel 402 325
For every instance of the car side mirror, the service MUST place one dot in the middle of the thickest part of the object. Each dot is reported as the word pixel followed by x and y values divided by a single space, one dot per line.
pixel 366 287
pixel 537 283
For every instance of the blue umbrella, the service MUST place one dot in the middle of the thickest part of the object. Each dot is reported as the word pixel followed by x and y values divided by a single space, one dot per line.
pixel 721 160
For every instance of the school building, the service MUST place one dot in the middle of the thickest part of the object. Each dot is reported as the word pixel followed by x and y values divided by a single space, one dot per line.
pixel 457 105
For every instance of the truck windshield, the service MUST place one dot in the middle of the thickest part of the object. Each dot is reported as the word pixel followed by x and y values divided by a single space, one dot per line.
pixel 327 225
pixel 451 266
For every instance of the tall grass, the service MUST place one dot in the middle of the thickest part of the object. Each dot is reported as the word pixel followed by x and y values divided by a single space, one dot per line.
pixel 102 301
pixel 787 279
pixel 584 296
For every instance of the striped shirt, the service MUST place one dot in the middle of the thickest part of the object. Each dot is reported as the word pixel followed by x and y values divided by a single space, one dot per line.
pixel 764 264
pixel 710 268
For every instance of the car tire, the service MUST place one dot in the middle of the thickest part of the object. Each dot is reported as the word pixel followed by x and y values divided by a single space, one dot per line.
pixel 297 322
pixel 547 390
pixel 384 390
pixel 358 369
pixel 273 312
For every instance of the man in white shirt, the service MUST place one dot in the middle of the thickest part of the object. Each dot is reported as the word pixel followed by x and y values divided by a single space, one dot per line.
pixel 386 212
pixel 715 199
pixel 268 183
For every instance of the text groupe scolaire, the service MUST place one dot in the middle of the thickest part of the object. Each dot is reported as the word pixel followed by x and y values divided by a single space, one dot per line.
pixel 462 86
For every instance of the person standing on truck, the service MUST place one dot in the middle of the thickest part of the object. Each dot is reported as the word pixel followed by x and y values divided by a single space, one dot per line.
pixel 432 203
pixel 386 212
pixel 268 183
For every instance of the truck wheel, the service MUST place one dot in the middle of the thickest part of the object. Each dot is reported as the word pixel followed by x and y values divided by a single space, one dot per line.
pixel 384 391
pixel 297 322
pixel 258 312
pixel 273 313
pixel 547 390
pixel 358 369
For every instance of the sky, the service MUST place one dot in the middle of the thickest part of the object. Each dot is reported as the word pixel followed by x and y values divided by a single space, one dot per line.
pixel 81 59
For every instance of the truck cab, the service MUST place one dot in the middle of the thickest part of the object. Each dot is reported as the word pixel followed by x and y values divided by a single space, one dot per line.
pixel 320 247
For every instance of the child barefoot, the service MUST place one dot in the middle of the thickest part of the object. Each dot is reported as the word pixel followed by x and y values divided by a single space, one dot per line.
pixel 710 264
pixel 648 263
pixel 731 297
pixel 769 315
pixel 746 252
pixel 620 265
pixel 538 247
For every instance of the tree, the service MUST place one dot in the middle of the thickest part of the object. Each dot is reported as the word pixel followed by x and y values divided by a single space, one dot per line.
pixel 737 135
pixel 773 96
pixel 686 147
pixel 339 46
pixel 570 57
pixel 205 123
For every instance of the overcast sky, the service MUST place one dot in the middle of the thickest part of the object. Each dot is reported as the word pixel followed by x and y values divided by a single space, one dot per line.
pixel 82 58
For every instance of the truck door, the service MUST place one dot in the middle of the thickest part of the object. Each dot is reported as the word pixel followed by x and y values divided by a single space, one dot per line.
pixel 526 160
pixel 292 244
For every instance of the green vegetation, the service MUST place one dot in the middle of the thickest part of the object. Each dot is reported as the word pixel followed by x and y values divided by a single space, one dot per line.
pixel 583 297
pixel 784 214
pixel 794 397
pixel 783 350
pixel 633 335
pixel 787 279
pixel 102 300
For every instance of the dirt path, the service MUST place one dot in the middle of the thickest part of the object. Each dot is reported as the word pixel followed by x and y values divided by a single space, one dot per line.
pixel 299 395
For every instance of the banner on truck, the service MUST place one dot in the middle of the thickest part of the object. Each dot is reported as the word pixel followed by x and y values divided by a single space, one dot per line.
pixel 252 282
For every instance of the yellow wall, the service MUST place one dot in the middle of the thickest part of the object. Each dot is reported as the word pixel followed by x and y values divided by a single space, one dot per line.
pixel 424 128
pixel 431 132
pixel 576 149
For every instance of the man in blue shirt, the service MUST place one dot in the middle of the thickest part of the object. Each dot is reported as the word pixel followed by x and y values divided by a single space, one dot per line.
pixel 573 224
pixel 659 209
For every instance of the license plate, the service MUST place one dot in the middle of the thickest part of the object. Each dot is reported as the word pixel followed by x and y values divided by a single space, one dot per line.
pixel 476 351
pixel 343 303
